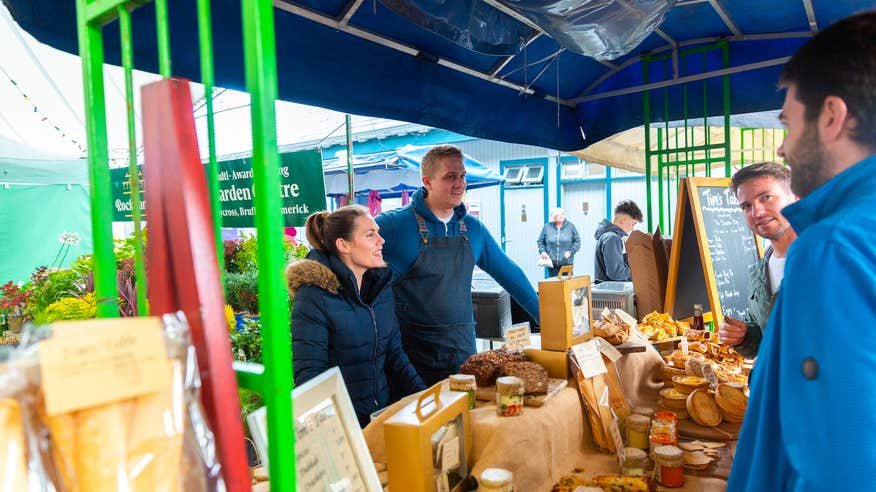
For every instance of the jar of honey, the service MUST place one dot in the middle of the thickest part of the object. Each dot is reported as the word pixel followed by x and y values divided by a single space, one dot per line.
pixel 638 431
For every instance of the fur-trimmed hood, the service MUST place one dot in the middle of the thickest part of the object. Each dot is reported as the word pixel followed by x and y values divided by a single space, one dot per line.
pixel 329 273
pixel 310 272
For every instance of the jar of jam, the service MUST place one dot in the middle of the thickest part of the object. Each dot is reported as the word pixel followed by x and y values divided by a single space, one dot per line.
pixel 509 396
pixel 664 430
pixel 635 462
pixel 496 480
pixel 465 383
pixel 667 466
pixel 638 431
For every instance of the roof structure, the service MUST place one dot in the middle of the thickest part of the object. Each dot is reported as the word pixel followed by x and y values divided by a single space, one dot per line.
pixel 391 60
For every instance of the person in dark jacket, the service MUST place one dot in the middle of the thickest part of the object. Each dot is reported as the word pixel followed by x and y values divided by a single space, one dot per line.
pixel 558 241
pixel 344 312
pixel 611 261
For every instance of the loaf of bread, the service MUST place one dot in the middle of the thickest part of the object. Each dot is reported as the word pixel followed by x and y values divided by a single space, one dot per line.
pixel 534 376
pixel 487 366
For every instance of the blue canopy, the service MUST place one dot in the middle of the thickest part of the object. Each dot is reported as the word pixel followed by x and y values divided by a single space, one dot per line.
pixel 392 172
pixel 417 61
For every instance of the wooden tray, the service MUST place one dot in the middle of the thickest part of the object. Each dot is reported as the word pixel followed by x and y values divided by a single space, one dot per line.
pixel 554 386
pixel 666 345
pixel 720 469
pixel 724 432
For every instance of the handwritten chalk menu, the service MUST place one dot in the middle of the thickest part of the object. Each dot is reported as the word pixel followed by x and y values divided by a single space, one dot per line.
pixel 324 457
pixel 716 250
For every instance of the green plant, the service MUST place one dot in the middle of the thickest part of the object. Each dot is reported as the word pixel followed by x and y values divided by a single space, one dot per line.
pixel 246 344
pixel 47 287
pixel 126 248
pixel 70 308
pixel 246 258
pixel 242 291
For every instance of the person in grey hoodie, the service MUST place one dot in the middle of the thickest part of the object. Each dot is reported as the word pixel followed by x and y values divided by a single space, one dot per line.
pixel 611 261
pixel 558 241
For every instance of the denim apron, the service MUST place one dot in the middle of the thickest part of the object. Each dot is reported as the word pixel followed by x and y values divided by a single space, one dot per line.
pixel 433 304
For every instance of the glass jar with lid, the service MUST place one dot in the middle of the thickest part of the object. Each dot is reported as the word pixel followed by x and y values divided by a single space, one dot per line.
pixel 496 480
pixel 668 466
pixel 509 396
pixel 465 383
pixel 638 427
pixel 664 430
pixel 635 462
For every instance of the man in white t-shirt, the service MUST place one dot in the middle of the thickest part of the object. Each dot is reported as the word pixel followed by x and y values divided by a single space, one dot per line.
pixel 763 190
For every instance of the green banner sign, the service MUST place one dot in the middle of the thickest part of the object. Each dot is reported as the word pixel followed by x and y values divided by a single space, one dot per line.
pixel 302 190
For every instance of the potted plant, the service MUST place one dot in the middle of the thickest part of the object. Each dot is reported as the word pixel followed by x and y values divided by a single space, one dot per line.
pixel 13 302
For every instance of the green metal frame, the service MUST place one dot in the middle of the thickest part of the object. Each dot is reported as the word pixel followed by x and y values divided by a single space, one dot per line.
pixel 274 379
pixel 670 154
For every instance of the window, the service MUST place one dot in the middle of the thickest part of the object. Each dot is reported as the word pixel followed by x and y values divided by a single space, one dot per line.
pixel 571 170
pixel 533 175
pixel 595 170
pixel 513 175
pixel 523 175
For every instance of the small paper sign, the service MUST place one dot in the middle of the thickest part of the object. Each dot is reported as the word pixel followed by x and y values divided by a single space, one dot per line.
pixel 608 349
pixel 589 359
pixel 683 345
pixel 518 337
pixel 626 318
pixel 90 363
pixel 450 455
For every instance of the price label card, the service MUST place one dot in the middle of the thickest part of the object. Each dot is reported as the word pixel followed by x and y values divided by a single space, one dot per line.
pixel 90 363
pixel 518 337
pixel 608 349
pixel 683 345
pixel 589 359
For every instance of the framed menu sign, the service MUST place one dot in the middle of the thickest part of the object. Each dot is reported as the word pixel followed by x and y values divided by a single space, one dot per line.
pixel 330 451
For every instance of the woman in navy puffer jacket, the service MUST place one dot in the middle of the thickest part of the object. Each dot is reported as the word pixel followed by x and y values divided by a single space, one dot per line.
pixel 344 312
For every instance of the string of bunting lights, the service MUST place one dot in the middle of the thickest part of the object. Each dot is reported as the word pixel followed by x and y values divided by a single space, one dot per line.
pixel 43 117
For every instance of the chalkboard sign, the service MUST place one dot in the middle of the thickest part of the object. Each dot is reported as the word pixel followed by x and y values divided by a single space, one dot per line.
pixel 716 250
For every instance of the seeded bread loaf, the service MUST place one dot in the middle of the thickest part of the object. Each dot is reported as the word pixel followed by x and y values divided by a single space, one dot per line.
pixel 534 376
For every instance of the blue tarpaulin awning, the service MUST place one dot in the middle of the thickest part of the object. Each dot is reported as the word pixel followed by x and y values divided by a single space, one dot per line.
pixel 392 172
pixel 401 62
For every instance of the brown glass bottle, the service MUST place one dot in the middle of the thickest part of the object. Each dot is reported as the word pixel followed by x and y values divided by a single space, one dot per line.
pixel 697 323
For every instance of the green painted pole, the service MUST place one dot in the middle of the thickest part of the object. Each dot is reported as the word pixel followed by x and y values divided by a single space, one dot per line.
pixel 260 58
pixel 91 54
pixel 351 191
pixel 133 168
pixel 205 41
pixel 163 38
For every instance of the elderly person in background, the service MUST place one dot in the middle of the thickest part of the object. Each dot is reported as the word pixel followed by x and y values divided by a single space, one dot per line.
pixel 558 241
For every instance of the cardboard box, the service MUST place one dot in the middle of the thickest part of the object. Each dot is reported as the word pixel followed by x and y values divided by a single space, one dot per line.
pixel 555 361
pixel 648 255
pixel 564 304
pixel 411 454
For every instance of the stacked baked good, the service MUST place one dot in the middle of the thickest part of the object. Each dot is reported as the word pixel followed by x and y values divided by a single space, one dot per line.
pixel 534 376
pixel 660 326
pixel 487 366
